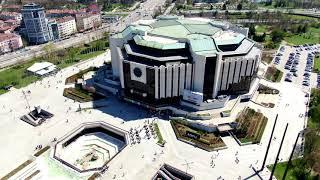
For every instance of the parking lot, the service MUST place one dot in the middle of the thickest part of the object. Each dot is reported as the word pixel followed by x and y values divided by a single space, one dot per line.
pixel 297 63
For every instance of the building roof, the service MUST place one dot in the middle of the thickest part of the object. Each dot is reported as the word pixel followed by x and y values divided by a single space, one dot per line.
pixel 64 11
pixel 36 67
pixel 6 13
pixel 86 15
pixel 173 32
pixel 7 36
pixel 64 19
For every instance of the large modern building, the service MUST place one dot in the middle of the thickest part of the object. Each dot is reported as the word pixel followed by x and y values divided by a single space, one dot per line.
pixel 36 24
pixel 191 60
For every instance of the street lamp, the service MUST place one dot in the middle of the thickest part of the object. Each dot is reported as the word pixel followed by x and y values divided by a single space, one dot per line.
pixel 187 164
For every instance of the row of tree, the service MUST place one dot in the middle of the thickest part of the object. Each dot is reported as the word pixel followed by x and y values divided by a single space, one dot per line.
pixel 294 3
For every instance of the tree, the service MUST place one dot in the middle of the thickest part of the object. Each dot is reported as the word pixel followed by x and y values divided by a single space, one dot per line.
pixel 226 14
pixel 215 13
pixel 239 6
pixel 304 28
pixel 211 7
pixel 277 35
pixel 224 6
pixel 260 38
pixel 72 52
pixel 49 48
pixel 268 3
pixel 252 30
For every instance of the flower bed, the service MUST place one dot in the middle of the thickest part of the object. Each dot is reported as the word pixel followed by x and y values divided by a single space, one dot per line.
pixel 204 140
pixel 81 95
pixel 251 125
pixel 273 74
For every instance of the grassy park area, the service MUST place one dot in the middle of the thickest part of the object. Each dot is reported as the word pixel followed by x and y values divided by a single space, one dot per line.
pixel 260 29
pixel 281 168
pixel 200 138
pixel 251 125
pixel 17 76
pixel 312 36
pixel 116 7
pixel 273 74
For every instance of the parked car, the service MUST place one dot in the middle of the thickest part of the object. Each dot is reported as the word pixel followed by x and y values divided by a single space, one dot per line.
pixel 306 74
pixel 305 83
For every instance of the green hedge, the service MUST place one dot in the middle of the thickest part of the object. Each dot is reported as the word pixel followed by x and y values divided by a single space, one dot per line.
pixel 160 138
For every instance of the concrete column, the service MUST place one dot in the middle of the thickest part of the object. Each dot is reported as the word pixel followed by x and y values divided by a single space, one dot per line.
pixel 156 82
pixel 243 68
pixel 198 76
pixel 216 84
pixel 169 81
pixel 175 80
pixel 225 76
pixel 182 78
pixel 248 72
pixel 162 81
pixel 236 76
pixel 231 72
pixel 114 56
pixel 188 77
pixel 120 68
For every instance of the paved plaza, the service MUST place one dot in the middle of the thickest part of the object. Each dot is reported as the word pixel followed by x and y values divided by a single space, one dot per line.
pixel 141 161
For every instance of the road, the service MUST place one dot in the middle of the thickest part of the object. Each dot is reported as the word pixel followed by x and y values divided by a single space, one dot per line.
pixel 145 11
pixel 290 11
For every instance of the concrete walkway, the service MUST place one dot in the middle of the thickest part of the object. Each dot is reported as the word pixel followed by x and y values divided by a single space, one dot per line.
pixel 230 142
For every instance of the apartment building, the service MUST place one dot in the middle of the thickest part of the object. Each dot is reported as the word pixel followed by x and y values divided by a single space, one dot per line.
pixel 9 42
pixel 66 26
pixel 86 21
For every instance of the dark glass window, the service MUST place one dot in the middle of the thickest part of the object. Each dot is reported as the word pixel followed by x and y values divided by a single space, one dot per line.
pixel 229 47
pixel 35 15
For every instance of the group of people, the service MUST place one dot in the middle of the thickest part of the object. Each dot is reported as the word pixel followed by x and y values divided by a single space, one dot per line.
pixel 38 147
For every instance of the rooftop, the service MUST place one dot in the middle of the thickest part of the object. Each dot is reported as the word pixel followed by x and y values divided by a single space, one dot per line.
pixel 7 36
pixel 32 6
pixel 173 32
pixel 64 11
pixel 6 13
pixel 65 19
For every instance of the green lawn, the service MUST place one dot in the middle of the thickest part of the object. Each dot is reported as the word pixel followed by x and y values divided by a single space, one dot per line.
pixel 16 76
pixel 260 29
pixel 317 64
pixel 280 170
pixel 312 36
pixel 298 17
